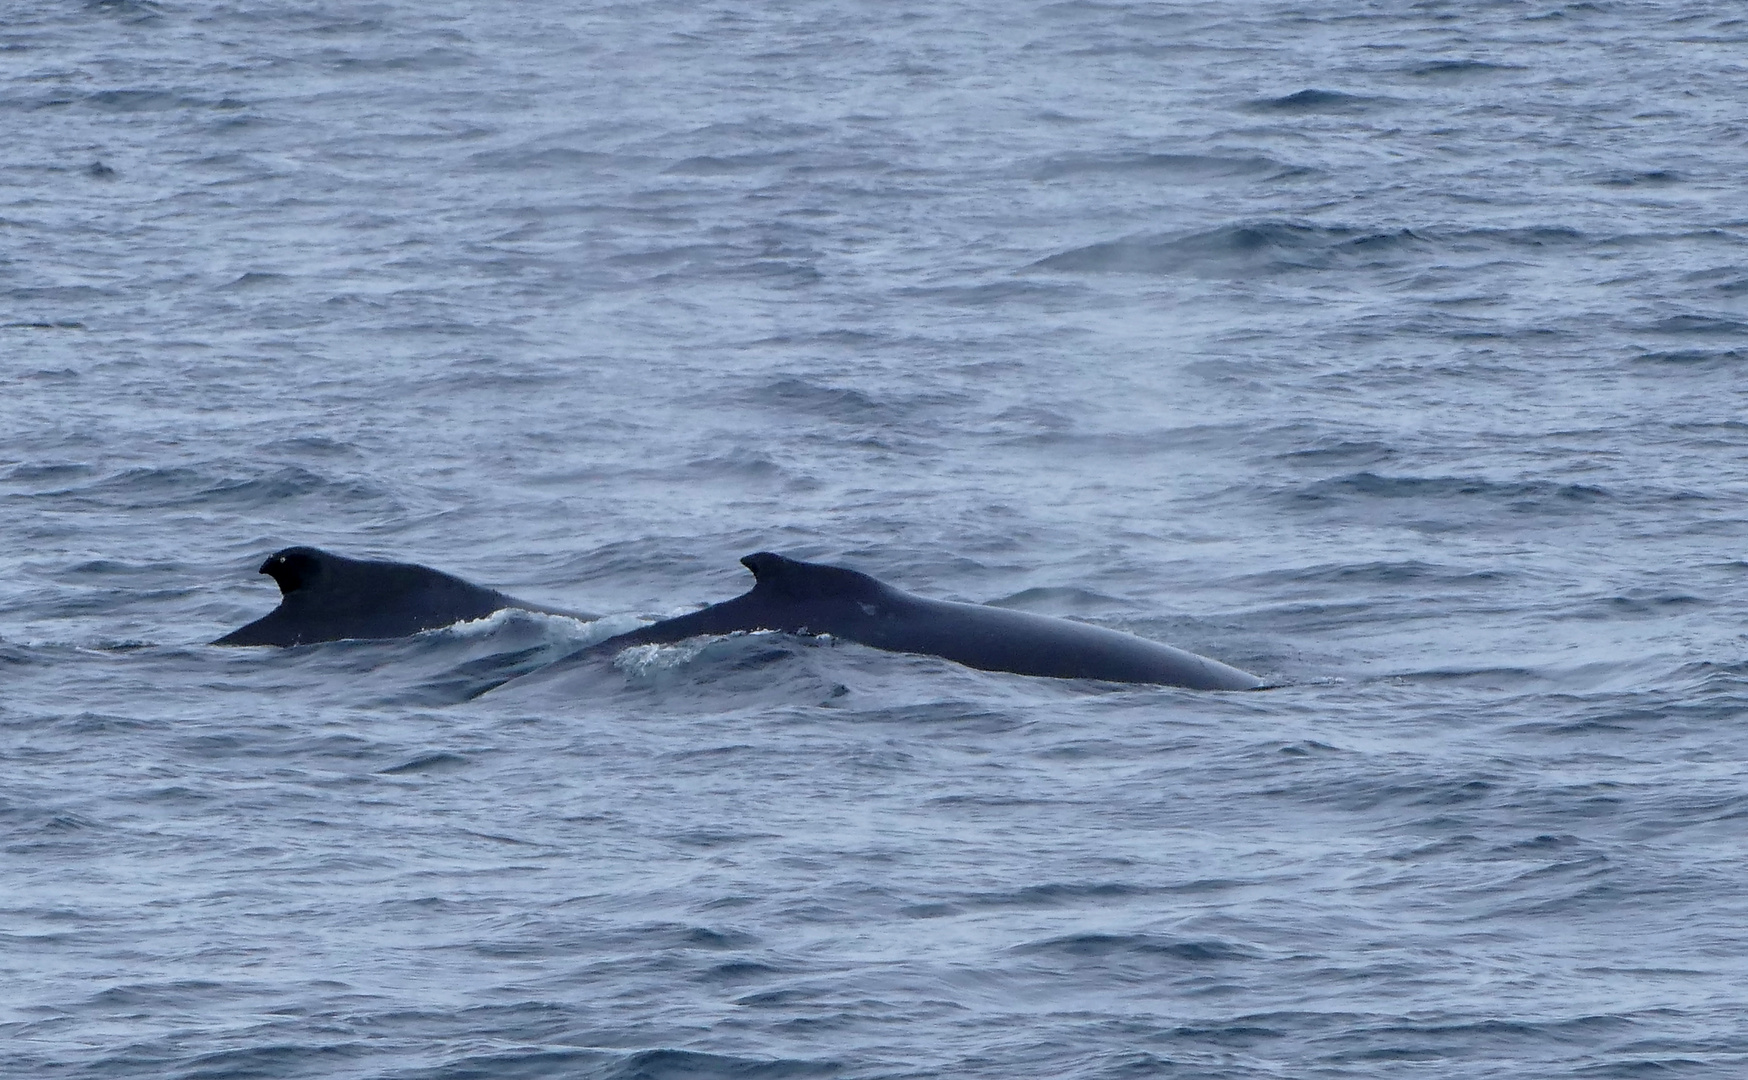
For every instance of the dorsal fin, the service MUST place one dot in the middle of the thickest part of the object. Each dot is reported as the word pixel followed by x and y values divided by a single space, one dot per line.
pixel 294 568
pixel 796 579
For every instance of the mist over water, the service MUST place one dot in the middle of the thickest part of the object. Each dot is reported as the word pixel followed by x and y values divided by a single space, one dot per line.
pixel 1393 353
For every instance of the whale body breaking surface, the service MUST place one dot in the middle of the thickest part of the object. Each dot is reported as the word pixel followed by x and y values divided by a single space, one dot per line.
pixel 798 597
pixel 329 597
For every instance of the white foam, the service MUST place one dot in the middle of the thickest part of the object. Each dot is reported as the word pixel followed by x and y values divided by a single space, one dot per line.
pixel 642 660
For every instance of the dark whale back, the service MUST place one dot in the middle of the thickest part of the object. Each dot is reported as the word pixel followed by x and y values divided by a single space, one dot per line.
pixel 327 597
pixel 779 578
pixel 801 597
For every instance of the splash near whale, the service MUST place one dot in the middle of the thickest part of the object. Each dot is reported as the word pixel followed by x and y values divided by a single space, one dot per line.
pixel 798 597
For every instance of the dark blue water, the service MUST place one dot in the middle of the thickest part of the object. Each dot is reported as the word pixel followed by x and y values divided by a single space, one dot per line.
pixel 1392 352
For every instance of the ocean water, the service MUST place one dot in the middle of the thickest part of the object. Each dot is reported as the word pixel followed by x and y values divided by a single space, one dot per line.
pixel 1394 352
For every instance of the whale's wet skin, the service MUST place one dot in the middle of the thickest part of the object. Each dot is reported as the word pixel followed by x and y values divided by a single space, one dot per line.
pixel 807 598
pixel 1392 352
pixel 329 597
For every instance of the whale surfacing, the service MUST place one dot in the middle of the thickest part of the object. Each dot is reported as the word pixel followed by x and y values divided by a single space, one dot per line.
pixel 328 597
pixel 798 597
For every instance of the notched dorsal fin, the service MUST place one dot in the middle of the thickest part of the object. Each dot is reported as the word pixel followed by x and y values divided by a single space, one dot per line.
pixel 294 568
pixel 794 578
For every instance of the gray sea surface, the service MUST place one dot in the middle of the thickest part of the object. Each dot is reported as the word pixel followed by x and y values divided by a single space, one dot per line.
pixel 1394 352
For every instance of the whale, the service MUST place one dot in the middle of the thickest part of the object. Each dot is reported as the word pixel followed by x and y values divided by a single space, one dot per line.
pixel 329 597
pixel 795 597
